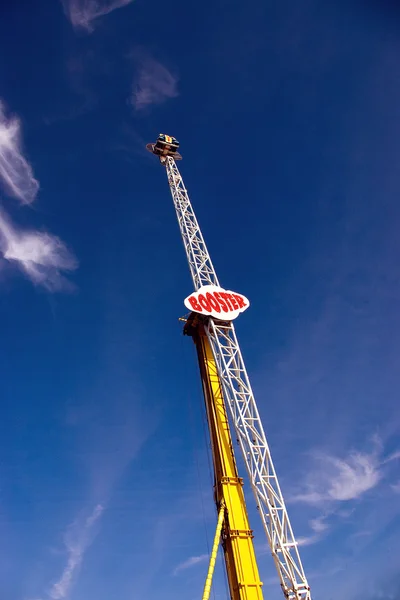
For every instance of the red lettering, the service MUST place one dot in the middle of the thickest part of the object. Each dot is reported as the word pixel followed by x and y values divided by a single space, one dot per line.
pixel 224 306
pixel 194 304
pixel 226 297
pixel 233 301
pixel 216 302
pixel 240 301
pixel 213 302
pixel 204 302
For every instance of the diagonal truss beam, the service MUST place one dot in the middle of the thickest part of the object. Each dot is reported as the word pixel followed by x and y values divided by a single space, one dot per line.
pixel 241 404
pixel 201 267
pixel 250 434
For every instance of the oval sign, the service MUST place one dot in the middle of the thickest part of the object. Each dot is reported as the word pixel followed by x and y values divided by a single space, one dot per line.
pixel 217 302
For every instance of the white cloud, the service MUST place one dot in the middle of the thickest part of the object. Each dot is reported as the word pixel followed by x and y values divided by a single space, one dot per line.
pixel 154 85
pixel 82 13
pixel 190 562
pixel 318 524
pixel 319 527
pixel 341 479
pixel 354 476
pixel 308 540
pixel 41 256
pixel 15 172
pixel 394 456
pixel 77 541
pixel 360 534
pixel 396 487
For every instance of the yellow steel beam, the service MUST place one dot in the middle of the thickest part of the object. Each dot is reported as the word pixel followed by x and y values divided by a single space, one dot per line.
pixel 243 577
pixel 214 552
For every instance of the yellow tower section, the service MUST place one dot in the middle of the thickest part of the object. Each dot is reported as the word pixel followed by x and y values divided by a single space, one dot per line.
pixel 237 537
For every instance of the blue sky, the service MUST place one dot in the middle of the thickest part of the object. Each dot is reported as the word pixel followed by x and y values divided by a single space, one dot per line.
pixel 288 116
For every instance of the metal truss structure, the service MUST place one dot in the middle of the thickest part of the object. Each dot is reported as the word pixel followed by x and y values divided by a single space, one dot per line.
pixel 240 400
pixel 201 267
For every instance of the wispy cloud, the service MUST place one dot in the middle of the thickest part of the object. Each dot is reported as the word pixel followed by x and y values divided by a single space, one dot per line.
pixel 353 476
pixel 154 84
pixel 77 540
pixel 41 256
pixel 83 13
pixel 308 540
pixel 16 173
pixel 319 524
pixel 391 457
pixel 342 479
pixel 396 487
pixel 320 528
pixel 191 562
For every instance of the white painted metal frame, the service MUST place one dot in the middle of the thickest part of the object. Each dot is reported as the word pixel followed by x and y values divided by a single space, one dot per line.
pixel 250 434
pixel 201 267
pixel 240 399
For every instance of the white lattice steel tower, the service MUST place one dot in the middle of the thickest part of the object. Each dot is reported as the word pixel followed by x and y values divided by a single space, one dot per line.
pixel 237 391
